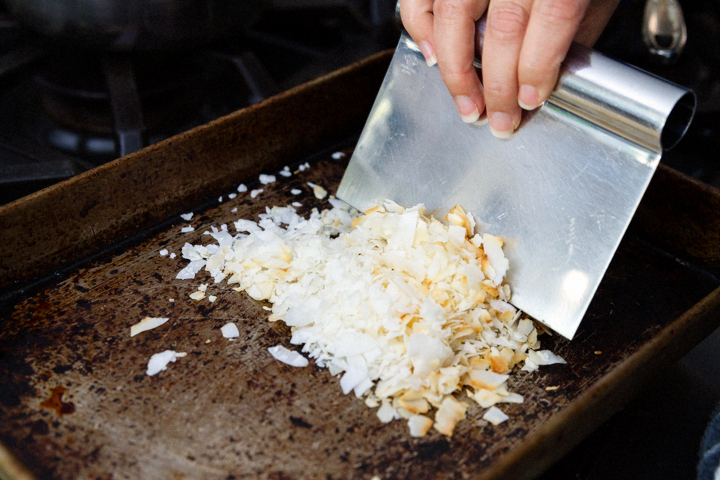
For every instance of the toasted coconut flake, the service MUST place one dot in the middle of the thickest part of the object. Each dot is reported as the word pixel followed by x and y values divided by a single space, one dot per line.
pixel 419 425
pixel 147 323
pixel 197 296
pixel 448 415
pixel 319 192
pixel 406 311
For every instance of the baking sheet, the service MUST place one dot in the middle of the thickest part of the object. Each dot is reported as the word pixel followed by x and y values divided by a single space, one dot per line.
pixel 74 398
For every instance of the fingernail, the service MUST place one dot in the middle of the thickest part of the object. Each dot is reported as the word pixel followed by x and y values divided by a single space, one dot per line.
pixel 482 120
pixel 501 125
pixel 528 97
pixel 428 53
pixel 467 108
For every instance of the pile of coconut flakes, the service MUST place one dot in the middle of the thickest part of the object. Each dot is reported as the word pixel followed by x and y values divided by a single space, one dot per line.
pixel 411 311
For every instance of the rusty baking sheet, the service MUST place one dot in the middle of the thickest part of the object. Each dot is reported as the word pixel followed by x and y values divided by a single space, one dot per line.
pixel 80 264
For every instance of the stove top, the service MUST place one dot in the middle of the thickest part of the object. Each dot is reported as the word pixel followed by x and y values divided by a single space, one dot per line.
pixel 64 111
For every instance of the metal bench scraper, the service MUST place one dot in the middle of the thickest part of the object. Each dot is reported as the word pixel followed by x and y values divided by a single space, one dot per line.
pixel 561 191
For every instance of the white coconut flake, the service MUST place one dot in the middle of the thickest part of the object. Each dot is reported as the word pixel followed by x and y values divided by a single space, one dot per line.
pixel 187 229
pixel 220 199
pixel 495 416
pixel 338 155
pixel 172 255
pixel 212 298
pixel 186 216
pixel 160 361
pixel 296 191
pixel 232 195
pixel 147 323
pixel 291 357
pixel 230 330
pixel 285 172
pixel 267 179
pixel 163 252
pixel 234 210
pixel 296 204
pixel 256 192
pixel 242 188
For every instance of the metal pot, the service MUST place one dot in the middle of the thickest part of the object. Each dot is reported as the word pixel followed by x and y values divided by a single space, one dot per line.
pixel 125 25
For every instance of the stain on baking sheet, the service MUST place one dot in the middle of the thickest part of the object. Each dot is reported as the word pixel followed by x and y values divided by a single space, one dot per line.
pixel 55 402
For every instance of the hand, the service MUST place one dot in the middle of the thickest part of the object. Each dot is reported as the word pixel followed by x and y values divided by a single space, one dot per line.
pixel 525 43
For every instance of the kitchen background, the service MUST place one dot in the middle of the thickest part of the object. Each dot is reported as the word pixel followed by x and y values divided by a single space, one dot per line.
pixel 65 109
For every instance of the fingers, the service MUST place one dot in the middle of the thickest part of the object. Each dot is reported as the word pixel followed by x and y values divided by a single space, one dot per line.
pixel 549 33
pixel 454 33
pixel 417 17
pixel 507 21
pixel 596 18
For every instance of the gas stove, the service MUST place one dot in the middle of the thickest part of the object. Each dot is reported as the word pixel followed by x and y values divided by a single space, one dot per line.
pixel 64 110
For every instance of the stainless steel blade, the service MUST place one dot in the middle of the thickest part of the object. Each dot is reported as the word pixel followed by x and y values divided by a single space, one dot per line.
pixel 561 191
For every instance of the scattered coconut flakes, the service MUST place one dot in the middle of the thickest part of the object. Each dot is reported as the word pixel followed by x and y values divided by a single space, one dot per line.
pixel 163 252
pixel 256 192
pixel 296 191
pixel 203 287
pixel 495 416
pixel 267 179
pixel 396 303
pixel 242 188
pixel 220 199
pixel 304 166
pixel 230 330
pixel 291 357
pixel 285 172
pixel 212 298
pixel 172 255
pixel 187 229
pixel 296 204
pixel 147 323
pixel 186 216
pixel 338 155
pixel 234 210
pixel 232 195
pixel 159 361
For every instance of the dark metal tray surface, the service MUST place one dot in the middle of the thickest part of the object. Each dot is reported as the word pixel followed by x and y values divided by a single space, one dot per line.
pixel 80 264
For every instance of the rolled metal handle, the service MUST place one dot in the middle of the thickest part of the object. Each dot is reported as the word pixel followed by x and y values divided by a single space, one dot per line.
pixel 617 97
pixel 624 100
